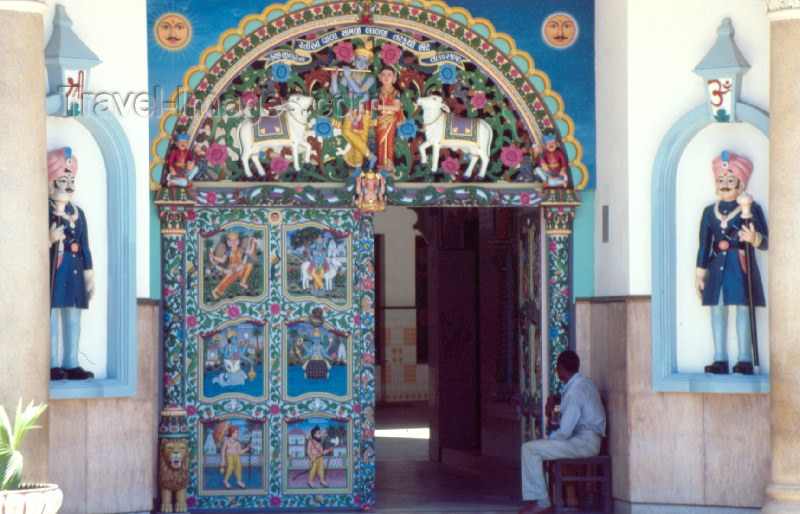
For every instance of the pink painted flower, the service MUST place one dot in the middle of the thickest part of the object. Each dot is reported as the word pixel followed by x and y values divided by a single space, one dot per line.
pixel 478 100
pixel 249 99
pixel 439 189
pixel 190 410
pixel 182 120
pixel 317 10
pixel 166 292
pixel 514 73
pixel 547 122
pixel 215 70
pixel 262 32
pixel 245 43
pixel 390 53
pixel 211 198
pixel 203 85
pixel 191 322
pixel 344 51
pixel 451 165
pixel 180 245
pixel 511 156
pixel 417 36
pixel 275 309
pixel 278 165
pixel 275 501
pixel 525 198
pixel 366 284
pixel 434 17
pixel 190 501
pixel 415 12
pixel 357 408
pixel 552 247
pixel 337 6
pixel 234 311
pixel 485 45
pixel 526 88
pixel 217 154
pixel 298 16
pixel 395 8
pixel 451 25
pixel 274 408
pixel 367 358
pixel 191 214
pixel 279 23
pixel 537 105
pixel 501 59
pixel 229 55
pixel 166 379
pixel 299 189
pixel 357 320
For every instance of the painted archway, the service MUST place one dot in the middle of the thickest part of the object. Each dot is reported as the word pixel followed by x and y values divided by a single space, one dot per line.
pixel 433 50
pixel 246 309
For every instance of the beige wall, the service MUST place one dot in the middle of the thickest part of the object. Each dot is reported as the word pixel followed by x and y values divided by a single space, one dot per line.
pixel 102 451
pixel 669 448
pixel 397 226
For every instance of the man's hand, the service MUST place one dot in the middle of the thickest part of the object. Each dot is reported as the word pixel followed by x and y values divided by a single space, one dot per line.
pixel 700 281
pixel 56 233
pixel 748 234
pixel 88 278
pixel 550 406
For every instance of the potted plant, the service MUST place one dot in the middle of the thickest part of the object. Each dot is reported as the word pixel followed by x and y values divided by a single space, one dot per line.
pixel 16 497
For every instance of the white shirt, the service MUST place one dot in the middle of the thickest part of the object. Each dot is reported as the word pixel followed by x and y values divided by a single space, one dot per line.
pixel 580 407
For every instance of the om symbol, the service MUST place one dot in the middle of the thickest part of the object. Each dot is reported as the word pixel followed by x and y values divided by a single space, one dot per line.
pixel 718 90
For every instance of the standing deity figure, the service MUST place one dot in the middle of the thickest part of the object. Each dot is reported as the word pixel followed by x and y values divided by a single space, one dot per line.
pixel 357 84
pixel 552 165
pixel 71 273
pixel 319 262
pixel 722 267
pixel 238 262
pixel 390 116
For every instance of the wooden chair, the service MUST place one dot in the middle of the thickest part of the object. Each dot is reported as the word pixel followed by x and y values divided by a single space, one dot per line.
pixel 584 471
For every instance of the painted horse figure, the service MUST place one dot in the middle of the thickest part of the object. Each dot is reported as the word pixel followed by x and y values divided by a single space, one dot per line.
pixel 289 129
pixel 334 265
pixel 443 130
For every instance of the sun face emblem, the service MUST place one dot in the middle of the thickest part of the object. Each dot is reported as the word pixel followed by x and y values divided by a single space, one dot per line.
pixel 560 30
pixel 172 31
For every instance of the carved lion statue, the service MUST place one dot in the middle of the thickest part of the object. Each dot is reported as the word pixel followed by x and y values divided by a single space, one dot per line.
pixel 173 474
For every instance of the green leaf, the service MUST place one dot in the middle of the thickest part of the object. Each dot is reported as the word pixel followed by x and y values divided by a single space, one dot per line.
pixel 12 476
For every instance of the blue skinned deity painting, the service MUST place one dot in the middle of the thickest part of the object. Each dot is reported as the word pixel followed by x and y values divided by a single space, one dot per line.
pixel 233 457
pixel 317 455
pixel 233 360
pixel 317 359
pixel 317 267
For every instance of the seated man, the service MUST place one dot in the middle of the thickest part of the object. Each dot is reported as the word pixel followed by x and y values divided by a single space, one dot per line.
pixel 583 426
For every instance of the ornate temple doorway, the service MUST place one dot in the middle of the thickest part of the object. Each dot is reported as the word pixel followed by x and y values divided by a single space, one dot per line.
pixel 284 139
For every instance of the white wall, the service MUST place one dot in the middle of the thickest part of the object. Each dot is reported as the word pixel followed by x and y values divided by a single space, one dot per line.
pixel 397 226
pixel 659 46
pixel 122 48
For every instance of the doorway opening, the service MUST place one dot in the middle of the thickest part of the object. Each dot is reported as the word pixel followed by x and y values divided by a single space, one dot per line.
pixel 448 357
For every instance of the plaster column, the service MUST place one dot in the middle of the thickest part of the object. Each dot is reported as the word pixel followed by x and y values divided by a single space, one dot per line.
pixel 784 279
pixel 24 284
pixel 558 227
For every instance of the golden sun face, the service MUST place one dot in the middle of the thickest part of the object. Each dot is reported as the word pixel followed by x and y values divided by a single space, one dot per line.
pixel 560 30
pixel 172 31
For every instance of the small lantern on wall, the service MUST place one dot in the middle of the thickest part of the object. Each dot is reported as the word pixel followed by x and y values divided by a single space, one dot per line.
pixel 68 61
pixel 722 70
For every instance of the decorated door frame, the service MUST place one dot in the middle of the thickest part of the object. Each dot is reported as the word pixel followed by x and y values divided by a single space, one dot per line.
pixel 211 200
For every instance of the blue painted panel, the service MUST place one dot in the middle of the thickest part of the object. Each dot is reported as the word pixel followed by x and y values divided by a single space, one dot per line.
pixel 252 25
pixel 230 41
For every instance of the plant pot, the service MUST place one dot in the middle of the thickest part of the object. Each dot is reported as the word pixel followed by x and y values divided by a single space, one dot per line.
pixel 31 499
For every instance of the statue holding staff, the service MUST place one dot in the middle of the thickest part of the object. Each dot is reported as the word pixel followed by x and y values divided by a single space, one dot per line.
pixel 724 276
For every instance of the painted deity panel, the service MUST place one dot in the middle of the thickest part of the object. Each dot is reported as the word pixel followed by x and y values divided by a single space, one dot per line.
pixel 316 359
pixel 316 264
pixel 232 261
pixel 233 360
pixel 232 456
pixel 317 455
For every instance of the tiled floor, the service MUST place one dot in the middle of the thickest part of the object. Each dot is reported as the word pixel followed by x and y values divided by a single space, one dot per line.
pixel 407 481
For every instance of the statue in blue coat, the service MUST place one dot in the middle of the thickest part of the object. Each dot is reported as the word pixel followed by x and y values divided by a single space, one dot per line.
pixel 721 279
pixel 71 274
